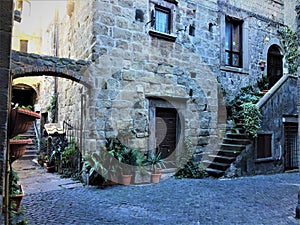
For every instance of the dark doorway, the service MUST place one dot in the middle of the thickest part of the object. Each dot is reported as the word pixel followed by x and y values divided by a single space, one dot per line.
pixel 290 146
pixel 166 129
pixel 274 65
pixel 24 95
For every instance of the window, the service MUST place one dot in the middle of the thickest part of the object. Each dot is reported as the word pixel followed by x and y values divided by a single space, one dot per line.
pixel 264 146
pixel 233 42
pixel 162 19
pixel 23 45
pixel 162 14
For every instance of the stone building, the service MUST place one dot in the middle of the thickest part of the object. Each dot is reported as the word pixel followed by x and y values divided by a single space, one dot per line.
pixel 156 68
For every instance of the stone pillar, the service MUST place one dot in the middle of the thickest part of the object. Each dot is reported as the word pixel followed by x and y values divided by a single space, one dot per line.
pixel 298 102
pixel 6 22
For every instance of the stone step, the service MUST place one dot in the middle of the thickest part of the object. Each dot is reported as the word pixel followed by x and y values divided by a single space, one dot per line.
pixel 237 136
pixel 214 172
pixel 236 141
pixel 216 165
pixel 235 147
pixel 229 153
pixel 221 159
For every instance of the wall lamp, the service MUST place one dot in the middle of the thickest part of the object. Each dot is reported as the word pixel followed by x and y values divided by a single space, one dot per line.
pixel 262 65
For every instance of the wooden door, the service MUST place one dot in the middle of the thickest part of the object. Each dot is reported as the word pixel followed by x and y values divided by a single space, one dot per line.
pixel 166 128
pixel 290 146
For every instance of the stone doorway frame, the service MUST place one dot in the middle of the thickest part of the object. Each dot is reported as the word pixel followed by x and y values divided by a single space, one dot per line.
pixel 166 102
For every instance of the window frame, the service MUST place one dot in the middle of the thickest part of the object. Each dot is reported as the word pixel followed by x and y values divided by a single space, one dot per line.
pixel 244 68
pixel 271 151
pixel 233 23
pixel 24 45
pixel 169 7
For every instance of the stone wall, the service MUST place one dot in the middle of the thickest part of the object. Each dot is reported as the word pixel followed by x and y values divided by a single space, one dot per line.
pixel 280 103
pixel 6 20
pixel 115 36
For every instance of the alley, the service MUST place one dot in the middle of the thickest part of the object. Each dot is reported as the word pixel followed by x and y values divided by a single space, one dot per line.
pixel 250 200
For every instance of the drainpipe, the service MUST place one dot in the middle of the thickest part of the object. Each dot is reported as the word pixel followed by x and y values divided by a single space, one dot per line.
pixel 56 53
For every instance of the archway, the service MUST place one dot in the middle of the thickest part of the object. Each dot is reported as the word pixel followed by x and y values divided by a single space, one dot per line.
pixel 23 95
pixel 274 65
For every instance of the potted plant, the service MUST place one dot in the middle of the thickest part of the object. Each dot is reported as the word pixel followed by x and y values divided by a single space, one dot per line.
pixel 263 84
pixel 18 147
pixel 21 119
pixel 153 160
pixel 16 191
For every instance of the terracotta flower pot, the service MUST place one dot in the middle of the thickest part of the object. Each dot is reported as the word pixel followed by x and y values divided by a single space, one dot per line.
pixel 155 177
pixel 21 121
pixel 18 148
pixel 16 200
pixel 126 179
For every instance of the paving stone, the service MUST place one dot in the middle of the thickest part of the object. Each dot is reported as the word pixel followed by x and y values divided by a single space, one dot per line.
pixel 268 199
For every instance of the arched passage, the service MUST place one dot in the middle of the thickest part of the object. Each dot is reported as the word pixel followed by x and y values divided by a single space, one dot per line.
pixel 274 65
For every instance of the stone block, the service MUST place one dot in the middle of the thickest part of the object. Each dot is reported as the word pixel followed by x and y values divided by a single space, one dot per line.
pixel 141 178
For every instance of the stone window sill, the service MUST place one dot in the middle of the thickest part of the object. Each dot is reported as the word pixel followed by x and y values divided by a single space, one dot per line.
pixel 167 37
pixel 234 69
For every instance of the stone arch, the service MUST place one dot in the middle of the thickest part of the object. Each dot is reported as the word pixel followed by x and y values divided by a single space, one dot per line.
pixel 51 71
pixel 29 64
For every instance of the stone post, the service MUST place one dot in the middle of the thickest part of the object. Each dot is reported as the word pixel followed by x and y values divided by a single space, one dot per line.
pixel 6 22
pixel 298 102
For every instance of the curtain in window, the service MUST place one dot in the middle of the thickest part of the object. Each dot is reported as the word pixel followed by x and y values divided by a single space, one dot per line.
pixel 161 21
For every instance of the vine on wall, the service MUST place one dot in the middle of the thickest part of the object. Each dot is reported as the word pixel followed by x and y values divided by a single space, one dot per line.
pixel 52 108
pixel 290 44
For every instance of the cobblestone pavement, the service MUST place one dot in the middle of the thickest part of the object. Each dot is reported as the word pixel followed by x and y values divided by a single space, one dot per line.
pixel 255 200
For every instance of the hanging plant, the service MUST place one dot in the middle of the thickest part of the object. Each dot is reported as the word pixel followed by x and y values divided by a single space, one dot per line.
pixel 290 44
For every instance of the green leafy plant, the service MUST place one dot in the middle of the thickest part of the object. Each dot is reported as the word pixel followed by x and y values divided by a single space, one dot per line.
pixel 95 168
pixel 191 169
pixel 52 108
pixel 263 83
pixel 290 44
pixel 250 117
pixel 154 160
pixel 15 187
pixel 247 94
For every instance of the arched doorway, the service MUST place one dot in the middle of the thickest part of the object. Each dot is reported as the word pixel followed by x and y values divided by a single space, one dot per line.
pixel 23 95
pixel 274 65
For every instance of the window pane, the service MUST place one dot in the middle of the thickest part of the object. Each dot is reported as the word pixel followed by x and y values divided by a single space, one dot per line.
pixel 236 60
pixel 264 145
pixel 236 37
pixel 227 37
pixel 227 58
pixel 161 21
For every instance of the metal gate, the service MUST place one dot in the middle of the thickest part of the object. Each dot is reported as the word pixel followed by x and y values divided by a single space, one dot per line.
pixel 290 146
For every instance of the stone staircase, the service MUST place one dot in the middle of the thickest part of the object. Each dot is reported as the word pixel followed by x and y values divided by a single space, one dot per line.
pixel 234 142
pixel 30 152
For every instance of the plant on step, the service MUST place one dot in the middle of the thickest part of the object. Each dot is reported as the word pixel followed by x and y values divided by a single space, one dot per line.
pixel 248 94
pixel 263 83
pixel 250 118
pixel 191 169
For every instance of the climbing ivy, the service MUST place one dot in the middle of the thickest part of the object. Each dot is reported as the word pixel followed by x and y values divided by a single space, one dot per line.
pixel 290 44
